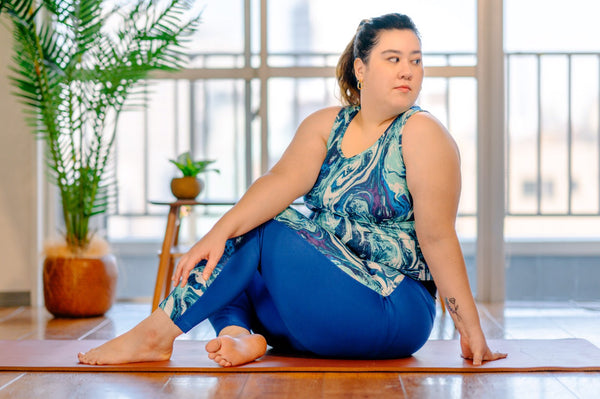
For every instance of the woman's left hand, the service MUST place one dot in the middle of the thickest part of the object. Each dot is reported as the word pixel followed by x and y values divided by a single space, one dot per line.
pixel 475 348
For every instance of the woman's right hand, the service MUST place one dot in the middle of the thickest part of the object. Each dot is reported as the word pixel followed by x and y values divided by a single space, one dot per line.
pixel 209 248
pixel 475 348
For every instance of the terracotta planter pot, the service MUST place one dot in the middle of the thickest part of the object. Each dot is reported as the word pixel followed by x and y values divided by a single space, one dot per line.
pixel 79 287
pixel 187 187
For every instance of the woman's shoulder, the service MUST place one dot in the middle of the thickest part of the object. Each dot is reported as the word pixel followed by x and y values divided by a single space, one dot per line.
pixel 424 124
pixel 424 129
pixel 421 118
pixel 321 121
pixel 324 115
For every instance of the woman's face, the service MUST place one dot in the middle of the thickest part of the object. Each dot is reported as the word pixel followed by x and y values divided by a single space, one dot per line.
pixel 393 74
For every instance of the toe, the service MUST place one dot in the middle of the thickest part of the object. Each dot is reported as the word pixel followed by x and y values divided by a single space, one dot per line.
pixel 213 345
pixel 84 358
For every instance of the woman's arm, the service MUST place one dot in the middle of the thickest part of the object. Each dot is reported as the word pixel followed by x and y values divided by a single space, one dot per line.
pixel 433 176
pixel 293 176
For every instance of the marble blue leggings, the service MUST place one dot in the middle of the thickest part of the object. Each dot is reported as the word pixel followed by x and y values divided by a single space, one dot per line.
pixel 275 283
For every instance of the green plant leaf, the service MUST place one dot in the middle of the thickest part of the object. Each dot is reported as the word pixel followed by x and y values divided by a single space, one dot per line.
pixel 76 77
pixel 189 167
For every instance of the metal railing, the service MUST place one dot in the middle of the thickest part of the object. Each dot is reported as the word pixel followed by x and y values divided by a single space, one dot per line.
pixel 522 186
pixel 555 125
pixel 298 66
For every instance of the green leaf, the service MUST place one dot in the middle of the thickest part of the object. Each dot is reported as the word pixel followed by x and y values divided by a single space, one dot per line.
pixel 75 78
pixel 189 167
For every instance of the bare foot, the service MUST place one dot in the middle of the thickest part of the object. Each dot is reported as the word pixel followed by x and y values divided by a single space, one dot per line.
pixel 151 340
pixel 229 351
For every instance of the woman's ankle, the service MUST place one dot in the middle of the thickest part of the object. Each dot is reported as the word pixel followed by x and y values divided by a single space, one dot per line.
pixel 159 329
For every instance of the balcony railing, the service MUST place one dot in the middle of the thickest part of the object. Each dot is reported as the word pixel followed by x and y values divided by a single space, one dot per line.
pixel 553 167
pixel 553 112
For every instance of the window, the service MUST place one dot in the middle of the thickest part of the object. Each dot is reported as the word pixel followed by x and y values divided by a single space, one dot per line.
pixel 553 113
pixel 553 201
pixel 214 109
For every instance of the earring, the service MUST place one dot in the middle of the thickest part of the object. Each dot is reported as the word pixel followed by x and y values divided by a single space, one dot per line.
pixel 359 85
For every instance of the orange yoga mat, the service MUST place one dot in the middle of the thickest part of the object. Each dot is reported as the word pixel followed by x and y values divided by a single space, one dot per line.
pixel 435 356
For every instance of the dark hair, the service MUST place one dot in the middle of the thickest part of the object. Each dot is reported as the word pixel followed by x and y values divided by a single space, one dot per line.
pixel 366 37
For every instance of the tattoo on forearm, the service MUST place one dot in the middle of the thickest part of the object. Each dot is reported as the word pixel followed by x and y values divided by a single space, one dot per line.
pixel 453 308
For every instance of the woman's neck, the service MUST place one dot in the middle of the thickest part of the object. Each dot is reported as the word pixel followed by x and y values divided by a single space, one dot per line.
pixel 371 119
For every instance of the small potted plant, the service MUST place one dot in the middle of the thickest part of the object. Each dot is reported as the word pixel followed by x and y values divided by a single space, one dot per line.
pixel 189 186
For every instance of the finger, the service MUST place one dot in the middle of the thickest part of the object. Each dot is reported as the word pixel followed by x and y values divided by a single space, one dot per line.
pixel 176 275
pixel 184 274
pixel 179 270
pixel 184 278
pixel 211 263
pixel 489 355
pixel 208 269
pixel 466 354
pixel 498 355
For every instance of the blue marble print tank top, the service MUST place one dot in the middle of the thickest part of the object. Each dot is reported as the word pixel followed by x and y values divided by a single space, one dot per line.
pixel 361 212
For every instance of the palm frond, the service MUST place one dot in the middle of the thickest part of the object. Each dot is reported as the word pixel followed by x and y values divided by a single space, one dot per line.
pixel 76 77
pixel 17 8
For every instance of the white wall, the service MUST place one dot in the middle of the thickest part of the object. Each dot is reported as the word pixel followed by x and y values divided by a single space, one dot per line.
pixel 19 259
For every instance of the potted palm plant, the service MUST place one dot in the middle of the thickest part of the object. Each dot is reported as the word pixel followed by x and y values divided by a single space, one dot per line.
pixel 189 185
pixel 77 65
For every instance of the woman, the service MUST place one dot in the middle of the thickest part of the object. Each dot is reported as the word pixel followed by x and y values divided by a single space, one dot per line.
pixel 355 278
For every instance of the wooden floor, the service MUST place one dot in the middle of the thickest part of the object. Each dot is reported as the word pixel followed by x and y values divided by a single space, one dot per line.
pixel 509 321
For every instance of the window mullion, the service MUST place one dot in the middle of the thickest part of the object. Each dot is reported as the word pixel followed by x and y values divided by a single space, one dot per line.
pixel 490 152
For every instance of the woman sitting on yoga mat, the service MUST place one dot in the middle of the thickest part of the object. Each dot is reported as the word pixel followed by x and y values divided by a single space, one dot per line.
pixel 354 279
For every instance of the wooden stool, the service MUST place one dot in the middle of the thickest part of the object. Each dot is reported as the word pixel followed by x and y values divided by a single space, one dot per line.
pixel 170 250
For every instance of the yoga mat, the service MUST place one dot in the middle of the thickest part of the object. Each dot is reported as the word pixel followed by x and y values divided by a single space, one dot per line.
pixel 435 356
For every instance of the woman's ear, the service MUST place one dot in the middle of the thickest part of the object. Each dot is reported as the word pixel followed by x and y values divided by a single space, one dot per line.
pixel 359 69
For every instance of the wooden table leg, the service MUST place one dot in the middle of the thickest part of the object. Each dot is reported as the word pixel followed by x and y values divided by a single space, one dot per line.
pixel 168 285
pixel 165 255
